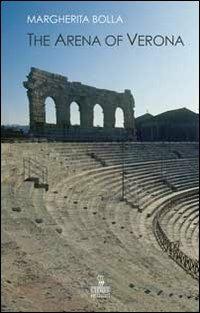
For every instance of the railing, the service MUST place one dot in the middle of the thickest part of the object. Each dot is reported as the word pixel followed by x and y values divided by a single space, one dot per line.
pixel 191 266
pixel 132 193
pixel 97 158
pixel 33 169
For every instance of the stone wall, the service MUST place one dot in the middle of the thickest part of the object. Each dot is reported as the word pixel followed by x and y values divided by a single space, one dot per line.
pixel 42 84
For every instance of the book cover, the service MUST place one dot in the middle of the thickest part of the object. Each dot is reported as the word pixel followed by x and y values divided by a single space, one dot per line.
pixel 100 156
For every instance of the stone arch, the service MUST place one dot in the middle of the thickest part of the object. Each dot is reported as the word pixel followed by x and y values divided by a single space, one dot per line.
pixel 98 115
pixel 119 117
pixel 75 117
pixel 50 110
pixel 41 84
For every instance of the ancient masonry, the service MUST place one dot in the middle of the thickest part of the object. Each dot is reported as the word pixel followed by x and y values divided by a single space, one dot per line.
pixel 42 84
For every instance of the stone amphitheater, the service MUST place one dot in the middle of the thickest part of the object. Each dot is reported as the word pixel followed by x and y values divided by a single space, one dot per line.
pixel 73 211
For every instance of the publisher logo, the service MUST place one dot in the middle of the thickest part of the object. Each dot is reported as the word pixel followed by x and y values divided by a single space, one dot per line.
pixel 100 291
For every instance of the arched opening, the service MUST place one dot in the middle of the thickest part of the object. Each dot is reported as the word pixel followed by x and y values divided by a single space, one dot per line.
pixel 50 111
pixel 119 118
pixel 98 120
pixel 74 114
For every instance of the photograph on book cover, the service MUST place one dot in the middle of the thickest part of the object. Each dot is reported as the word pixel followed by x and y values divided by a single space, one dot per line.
pixel 100 156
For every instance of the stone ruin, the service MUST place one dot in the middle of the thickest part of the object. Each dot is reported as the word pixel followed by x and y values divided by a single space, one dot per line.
pixel 42 84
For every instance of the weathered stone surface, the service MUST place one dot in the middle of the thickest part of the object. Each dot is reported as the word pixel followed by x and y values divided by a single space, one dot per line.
pixel 42 84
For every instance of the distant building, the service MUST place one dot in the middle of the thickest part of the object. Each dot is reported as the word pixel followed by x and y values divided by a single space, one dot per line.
pixel 175 125
pixel 13 132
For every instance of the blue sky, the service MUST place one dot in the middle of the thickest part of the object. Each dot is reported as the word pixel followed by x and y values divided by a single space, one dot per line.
pixel 160 79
